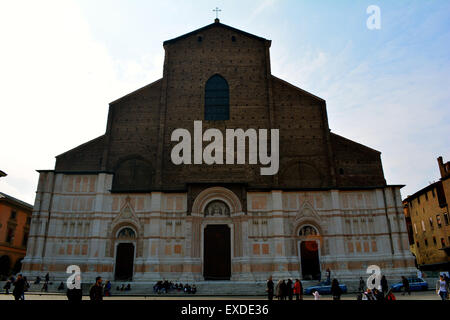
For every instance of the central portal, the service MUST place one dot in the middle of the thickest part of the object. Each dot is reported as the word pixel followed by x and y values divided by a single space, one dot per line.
pixel 124 262
pixel 309 251
pixel 217 253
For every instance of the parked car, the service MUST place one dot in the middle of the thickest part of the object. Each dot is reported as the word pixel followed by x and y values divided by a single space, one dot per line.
pixel 415 284
pixel 324 288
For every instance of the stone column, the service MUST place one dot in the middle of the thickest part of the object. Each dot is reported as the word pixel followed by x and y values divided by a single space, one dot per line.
pixel 280 260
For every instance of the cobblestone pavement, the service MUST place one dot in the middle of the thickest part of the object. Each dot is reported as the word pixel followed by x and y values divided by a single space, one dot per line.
pixel 424 295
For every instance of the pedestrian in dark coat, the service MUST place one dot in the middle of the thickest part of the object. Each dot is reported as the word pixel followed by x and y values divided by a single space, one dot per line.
pixel 328 275
pixel 74 294
pixel 96 291
pixel 289 289
pixel 362 284
pixel 384 285
pixel 270 289
pixel 7 286
pixel 405 283
pixel 19 288
pixel 335 290
pixel 284 290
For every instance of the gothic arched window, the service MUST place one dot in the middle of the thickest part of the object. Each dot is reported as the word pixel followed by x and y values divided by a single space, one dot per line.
pixel 217 99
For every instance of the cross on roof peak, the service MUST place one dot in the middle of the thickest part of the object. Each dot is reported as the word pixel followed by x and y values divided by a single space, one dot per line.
pixel 217 10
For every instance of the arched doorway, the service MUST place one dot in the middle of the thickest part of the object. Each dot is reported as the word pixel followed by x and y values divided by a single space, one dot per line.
pixel 309 253
pixel 124 265
pixel 217 252
pixel 5 266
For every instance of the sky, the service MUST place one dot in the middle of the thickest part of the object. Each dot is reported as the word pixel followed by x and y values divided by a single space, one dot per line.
pixel 63 61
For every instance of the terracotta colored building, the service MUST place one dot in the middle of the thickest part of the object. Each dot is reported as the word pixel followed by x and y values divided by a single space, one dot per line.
pixel 15 217
pixel 428 218
pixel 119 207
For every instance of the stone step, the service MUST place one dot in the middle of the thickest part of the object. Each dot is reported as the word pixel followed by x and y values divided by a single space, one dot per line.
pixel 204 288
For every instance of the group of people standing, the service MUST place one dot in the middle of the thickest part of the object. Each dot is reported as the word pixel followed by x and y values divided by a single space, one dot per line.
pixel 285 289
pixel 383 292
pixel 167 286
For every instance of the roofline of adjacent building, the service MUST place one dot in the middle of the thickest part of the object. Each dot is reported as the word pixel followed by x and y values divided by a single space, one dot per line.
pixel 421 191
pixel 15 201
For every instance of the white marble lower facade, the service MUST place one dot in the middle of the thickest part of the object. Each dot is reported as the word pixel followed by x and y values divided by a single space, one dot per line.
pixel 77 220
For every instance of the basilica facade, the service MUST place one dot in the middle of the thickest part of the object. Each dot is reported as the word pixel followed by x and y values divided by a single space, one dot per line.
pixel 119 207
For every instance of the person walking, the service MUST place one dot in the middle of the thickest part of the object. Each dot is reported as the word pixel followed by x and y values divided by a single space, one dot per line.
pixel 335 290
pixel 406 288
pixel 270 288
pixel 19 288
pixel 328 275
pixel 7 286
pixel 384 285
pixel 107 289
pixel 362 285
pixel 73 293
pixel 290 289
pixel 446 278
pixel 442 287
pixel 96 291
pixel 25 287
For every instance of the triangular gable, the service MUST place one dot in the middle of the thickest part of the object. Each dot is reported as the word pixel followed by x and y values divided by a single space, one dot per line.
pixel 307 212
pixel 127 214
pixel 210 26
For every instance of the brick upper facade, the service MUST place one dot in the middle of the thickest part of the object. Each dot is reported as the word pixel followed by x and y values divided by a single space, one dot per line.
pixel 140 124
